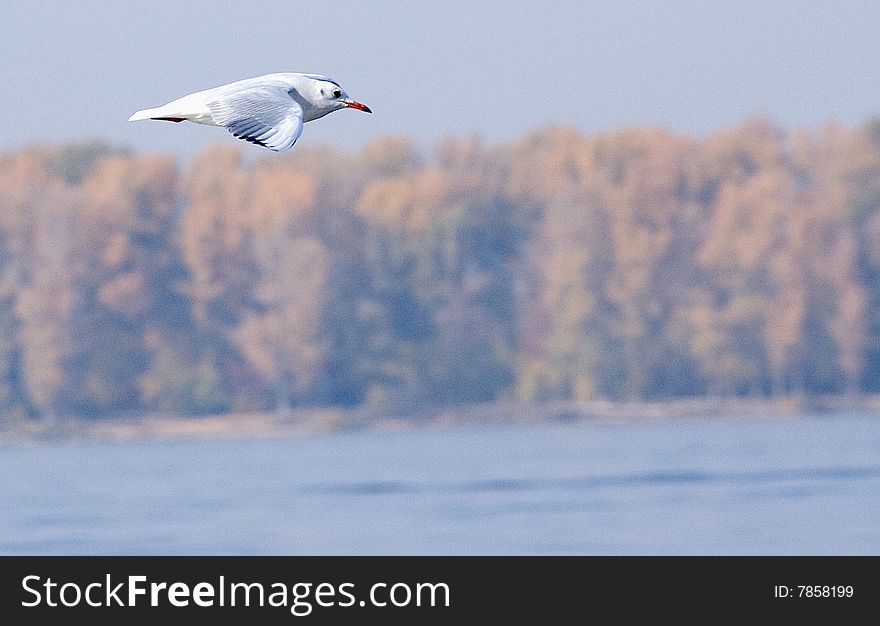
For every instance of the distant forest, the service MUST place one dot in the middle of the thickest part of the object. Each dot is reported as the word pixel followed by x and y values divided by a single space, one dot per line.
pixel 634 264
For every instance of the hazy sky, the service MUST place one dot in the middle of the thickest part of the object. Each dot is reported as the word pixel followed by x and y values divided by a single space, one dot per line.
pixel 75 70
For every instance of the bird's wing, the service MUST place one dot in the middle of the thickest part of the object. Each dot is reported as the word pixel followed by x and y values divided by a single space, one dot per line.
pixel 265 115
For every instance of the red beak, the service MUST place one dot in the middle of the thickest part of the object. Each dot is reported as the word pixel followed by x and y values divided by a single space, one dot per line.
pixel 352 104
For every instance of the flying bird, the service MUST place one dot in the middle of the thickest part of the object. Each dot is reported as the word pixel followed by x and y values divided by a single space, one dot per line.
pixel 266 110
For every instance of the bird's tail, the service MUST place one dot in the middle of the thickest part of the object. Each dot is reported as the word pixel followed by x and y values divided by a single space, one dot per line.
pixel 153 114
pixel 145 114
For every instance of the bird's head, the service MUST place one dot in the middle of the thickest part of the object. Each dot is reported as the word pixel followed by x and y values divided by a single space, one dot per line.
pixel 326 96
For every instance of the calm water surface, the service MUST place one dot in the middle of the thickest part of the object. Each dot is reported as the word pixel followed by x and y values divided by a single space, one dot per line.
pixel 806 486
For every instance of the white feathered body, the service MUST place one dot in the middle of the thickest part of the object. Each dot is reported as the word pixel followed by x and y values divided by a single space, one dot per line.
pixel 267 110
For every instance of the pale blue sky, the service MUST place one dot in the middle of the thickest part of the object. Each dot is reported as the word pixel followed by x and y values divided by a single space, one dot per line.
pixel 75 70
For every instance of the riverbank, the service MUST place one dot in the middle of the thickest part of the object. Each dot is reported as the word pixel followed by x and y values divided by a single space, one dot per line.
pixel 318 420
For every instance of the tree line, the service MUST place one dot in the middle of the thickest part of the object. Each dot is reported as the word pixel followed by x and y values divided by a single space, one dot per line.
pixel 633 264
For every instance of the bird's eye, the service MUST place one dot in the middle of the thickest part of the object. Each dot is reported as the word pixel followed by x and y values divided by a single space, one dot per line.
pixel 336 93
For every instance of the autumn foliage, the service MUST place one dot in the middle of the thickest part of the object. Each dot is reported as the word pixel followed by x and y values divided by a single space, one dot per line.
pixel 636 264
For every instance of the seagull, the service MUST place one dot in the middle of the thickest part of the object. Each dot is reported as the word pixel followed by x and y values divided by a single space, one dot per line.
pixel 266 110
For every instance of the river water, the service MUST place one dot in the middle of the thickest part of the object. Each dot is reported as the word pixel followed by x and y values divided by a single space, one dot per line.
pixel 805 486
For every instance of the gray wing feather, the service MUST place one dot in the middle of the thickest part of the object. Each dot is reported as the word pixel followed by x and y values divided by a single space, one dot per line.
pixel 266 116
